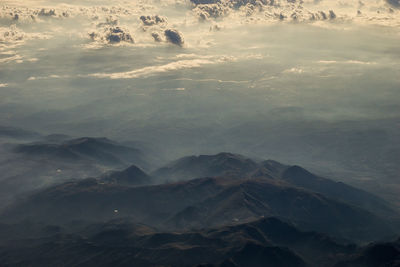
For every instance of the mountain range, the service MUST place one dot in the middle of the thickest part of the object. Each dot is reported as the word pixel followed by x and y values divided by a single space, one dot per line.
pixel 207 210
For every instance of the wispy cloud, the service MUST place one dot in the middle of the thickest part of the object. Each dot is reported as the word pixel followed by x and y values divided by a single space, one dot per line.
pixel 294 70
pixel 159 69
pixel 354 62
pixel 16 58
pixel 53 76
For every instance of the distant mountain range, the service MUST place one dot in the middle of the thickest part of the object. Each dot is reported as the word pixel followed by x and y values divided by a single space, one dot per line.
pixel 98 150
pixel 238 166
pixel 244 191
pixel 31 164
pixel 17 133
pixel 208 210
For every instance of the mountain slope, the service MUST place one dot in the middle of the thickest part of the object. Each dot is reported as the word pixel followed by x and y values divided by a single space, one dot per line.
pixel 198 203
pixel 250 199
pixel 192 167
pixel 131 176
pixel 99 150
pixel 17 133
pixel 238 166
pixel 32 166
pixel 300 177
pixel 376 254
pixel 265 242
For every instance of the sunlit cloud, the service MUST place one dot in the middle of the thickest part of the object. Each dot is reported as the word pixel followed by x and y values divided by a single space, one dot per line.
pixel 53 76
pixel 353 62
pixel 294 70
pixel 160 69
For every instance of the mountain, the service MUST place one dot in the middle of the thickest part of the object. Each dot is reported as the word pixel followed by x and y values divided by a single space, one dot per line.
pixel 198 203
pixel 234 165
pixel 56 159
pixel 300 177
pixel 191 167
pixel 250 199
pixel 17 133
pixel 99 150
pixel 265 242
pixel 376 254
pixel 131 176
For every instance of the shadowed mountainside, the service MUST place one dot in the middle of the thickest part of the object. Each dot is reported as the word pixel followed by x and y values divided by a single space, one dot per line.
pixel 238 166
pixel 56 159
pixel 99 150
pixel 265 242
pixel 376 254
pixel 198 203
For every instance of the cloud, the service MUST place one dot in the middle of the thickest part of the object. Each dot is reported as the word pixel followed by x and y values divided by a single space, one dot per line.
pixel 159 69
pixel 153 20
pixel 157 37
pixel 174 37
pixel 47 13
pixel 294 70
pixel 53 76
pixel 353 62
pixel 207 11
pixel 16 58
pixel 112 35
pixel 110 21
pixel 227 13
pixel 10 34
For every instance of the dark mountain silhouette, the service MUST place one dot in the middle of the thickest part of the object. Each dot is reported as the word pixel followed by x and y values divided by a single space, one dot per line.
pixel 131 176
pixel 254 198
pixel 246 213
pixel 17 133
pixel 238 166
pixel 100 150
pixel 199 203
pixel 56 159
pixel 265 242
pixel 375 255
pixel 300 177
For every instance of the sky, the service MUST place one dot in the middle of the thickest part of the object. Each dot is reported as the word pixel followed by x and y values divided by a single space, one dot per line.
pixel 308 82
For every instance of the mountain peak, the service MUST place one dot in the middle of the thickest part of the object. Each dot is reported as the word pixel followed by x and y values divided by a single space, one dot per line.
pixel 221 164
pixel 131 176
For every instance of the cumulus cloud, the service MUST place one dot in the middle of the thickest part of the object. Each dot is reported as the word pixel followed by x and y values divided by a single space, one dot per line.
pixel 110 21
pixel 13 36
pixel 207 11
pixel 153 20
pixel 47 13
pixel 157 37
pixel 227 13
pixel 112 35
pixel 174 37
pixel 10 34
